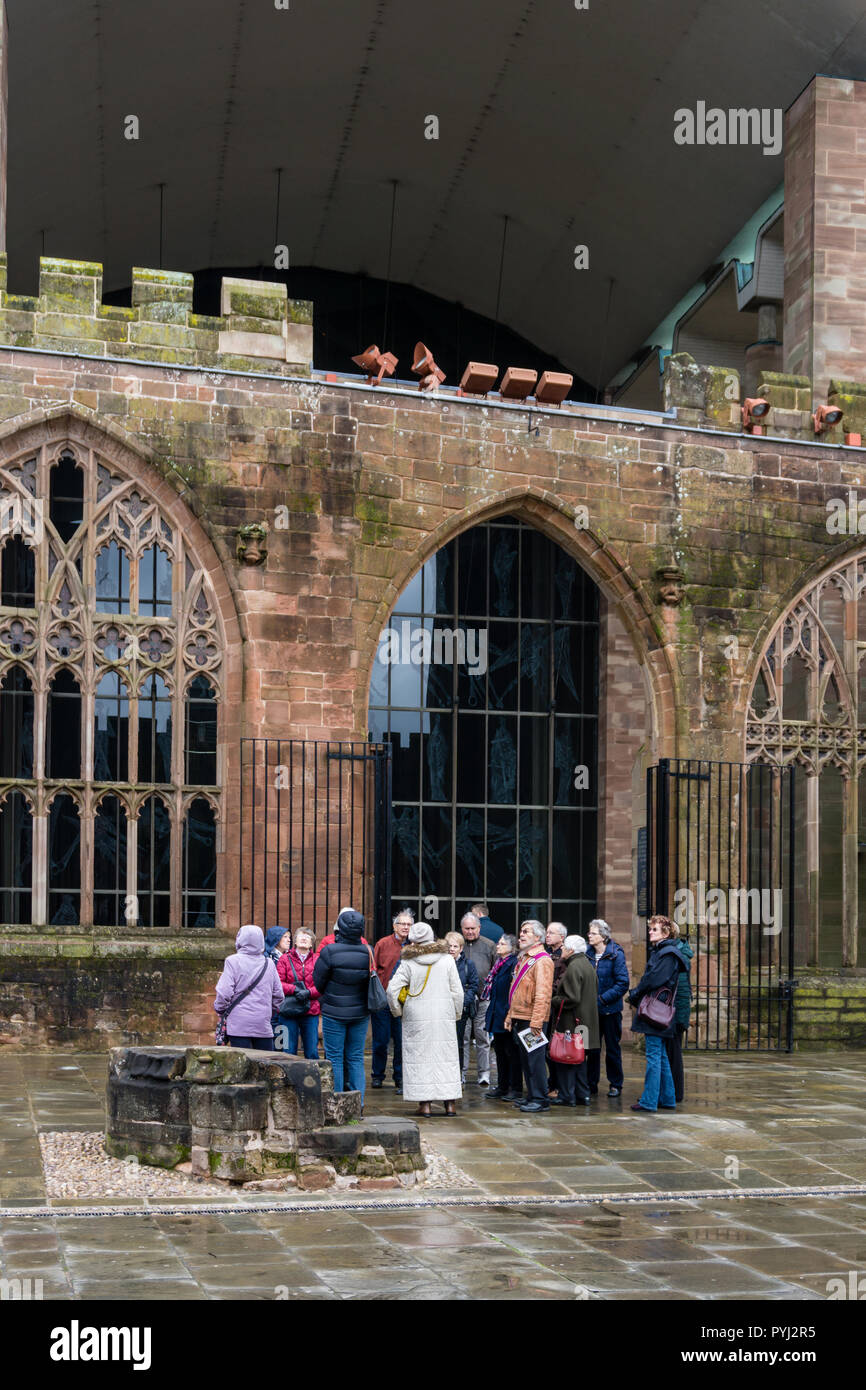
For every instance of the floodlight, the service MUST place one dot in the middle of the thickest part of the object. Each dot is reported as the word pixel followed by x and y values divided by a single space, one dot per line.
pixel 479 378
pixel 518 383
pixel 825 417
pixel 553 388
pixel 424 366
pixel 754 408
pixel 376 364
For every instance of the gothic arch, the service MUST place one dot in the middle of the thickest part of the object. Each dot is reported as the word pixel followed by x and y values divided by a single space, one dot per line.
pixel 83 430
pixel 165 617
pixel 807 707
pixel 592 550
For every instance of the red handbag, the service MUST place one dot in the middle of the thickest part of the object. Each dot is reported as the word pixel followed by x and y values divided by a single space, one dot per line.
pixel 567 1048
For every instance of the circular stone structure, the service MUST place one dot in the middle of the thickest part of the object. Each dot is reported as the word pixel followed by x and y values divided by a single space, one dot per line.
pixel 243 1115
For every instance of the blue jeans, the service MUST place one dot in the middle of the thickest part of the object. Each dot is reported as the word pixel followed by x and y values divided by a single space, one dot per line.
pixel 385 1028
pixel 658 1086
pixel 344 1048
pixel 260 1044
pixel 308 1029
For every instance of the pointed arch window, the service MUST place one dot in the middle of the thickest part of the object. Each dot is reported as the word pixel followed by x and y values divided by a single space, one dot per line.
pixel 154 583
pixel 111 730
pixel 16 724
pixel 63 763
pixel 16 859
pixel 64 862
pixel 66 497
pixel 199 865
pixel 112 579
pixel 154 731
pixel 808 707
pixel 111 677
pixel 109 863
pixel 201 731
pixel 17 574
pixel 154 863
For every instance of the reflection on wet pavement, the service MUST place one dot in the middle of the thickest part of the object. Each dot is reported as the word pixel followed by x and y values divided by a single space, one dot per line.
pixel 749 1122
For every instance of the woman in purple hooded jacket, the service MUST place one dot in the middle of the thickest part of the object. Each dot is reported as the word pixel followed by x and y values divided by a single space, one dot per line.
pixel 248 1020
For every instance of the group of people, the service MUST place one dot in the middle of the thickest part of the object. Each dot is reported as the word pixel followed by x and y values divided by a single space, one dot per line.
pixel 480 984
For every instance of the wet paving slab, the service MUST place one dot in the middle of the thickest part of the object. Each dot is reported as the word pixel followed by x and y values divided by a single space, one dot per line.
pixel 756 1122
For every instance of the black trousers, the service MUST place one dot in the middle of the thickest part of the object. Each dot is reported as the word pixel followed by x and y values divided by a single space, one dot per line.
pixel 571 1081
pixel 532 1064
pixel 610 1027
pixel 508 1063
pixel 674 1049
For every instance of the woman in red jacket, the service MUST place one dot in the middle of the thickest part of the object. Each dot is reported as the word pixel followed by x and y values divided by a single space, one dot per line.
pixel 295 967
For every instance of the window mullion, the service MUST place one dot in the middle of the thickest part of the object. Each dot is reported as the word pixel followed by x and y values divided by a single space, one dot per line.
pixel 132 919
pixel 87 828
pixel 175 912
pixel 39 881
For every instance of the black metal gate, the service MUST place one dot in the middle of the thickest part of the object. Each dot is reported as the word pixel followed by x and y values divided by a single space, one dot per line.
pixel 720 862
pixel 315 836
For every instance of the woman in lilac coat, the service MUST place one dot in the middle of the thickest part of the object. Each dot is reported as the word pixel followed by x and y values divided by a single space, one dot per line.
pixel 248 1022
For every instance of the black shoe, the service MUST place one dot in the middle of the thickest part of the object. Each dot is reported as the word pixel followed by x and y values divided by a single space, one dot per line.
pixel 558 1100
pixel 593 1090
pixel 615 1091
pixel 494 1094
pixel 587 1100
pixel 532 1107
pixel 667 1107
pixel 377 1083
pixel 398 1084
pixel 511 1095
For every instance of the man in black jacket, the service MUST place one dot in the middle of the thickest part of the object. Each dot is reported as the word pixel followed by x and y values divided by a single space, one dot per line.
pixel 342 977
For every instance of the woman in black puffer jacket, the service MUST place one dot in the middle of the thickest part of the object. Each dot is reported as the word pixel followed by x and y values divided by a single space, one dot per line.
pixel 662 972
pixel 342 977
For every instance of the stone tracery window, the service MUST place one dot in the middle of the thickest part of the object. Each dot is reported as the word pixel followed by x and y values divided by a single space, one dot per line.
pixel 808 707
pixel 111 657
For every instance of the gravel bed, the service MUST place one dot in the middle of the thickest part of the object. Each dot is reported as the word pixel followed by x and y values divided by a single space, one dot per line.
pixel 76 1165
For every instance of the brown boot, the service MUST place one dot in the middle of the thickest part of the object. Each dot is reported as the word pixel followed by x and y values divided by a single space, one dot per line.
pixel 450 1108
pixel 423 1111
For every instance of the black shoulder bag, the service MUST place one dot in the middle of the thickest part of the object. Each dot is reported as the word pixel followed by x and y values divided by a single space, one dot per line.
pixel 298 1004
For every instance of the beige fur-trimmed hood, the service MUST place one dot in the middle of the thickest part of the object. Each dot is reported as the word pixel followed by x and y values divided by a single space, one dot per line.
pixel 424 948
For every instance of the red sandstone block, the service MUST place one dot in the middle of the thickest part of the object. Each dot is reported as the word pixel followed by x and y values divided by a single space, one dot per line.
pixel 424 421
pixel 414 444
pixel 418 490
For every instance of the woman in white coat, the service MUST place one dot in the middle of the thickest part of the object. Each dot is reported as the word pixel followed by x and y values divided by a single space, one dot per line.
pixel 432 1005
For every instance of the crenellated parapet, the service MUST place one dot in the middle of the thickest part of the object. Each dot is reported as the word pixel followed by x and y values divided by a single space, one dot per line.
pixel 711 398
pixel 259 328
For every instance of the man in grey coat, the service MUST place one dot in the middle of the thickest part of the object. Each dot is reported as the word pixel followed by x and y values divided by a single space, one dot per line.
pixel 482 953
